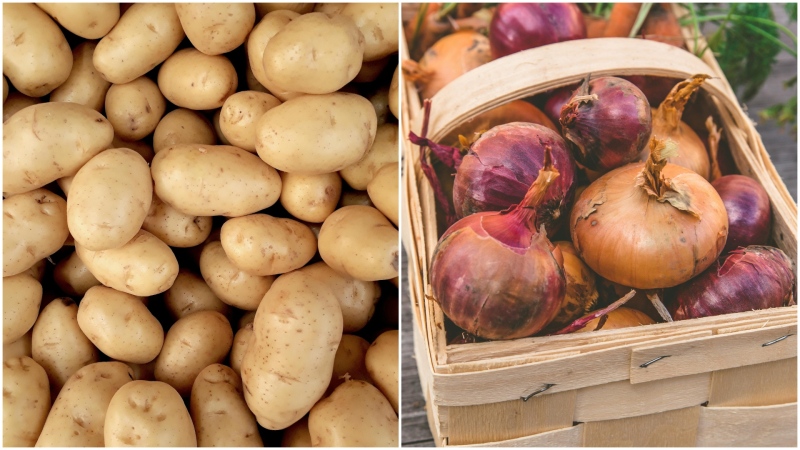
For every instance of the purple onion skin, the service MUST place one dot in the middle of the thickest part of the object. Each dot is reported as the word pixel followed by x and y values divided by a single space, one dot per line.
pixel 751 278
pixel 556 101
pixel 654 88
pixel 611 131
pixel 501 166
pixel 521 26
pixel 749 211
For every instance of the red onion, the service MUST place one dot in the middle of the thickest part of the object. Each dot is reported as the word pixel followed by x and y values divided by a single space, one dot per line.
pixel 520 26
pixel 556 100
pixel 749 211
pixel 495 275
pixel 751 278
pixel 655 89
pixel 606 123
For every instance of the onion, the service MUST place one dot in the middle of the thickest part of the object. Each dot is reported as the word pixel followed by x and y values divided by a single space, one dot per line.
pixel 495 275
pixel 649 225
pixel 520 26
pixel 752 278
pixel 749 212
pixel 502 164
pixel 516 111
pixel 581 294
pixel 606 123
pixel 556 100
pixel 621 317
pixel 654 88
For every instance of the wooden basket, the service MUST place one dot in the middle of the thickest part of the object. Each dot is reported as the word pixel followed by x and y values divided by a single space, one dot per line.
pixel 715 381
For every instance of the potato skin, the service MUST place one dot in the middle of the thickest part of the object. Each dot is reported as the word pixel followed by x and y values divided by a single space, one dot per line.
pixel 349 362
pixel 148 414
pixel 175 228
pixel 33 229
pixel 191 79
pixel 26 401
pixel 231 284
pixel 183 126
pixel 84 85
pixel 240 114
pixel 87 20
pixel 288 365
pixel 189 293
pixel 378 23
pixel 311 198
pixel 22 296
pixel 135 108
pixel 16 102
pixel 265 29
pixel 73 277
pixel 383 191
pixel 297 434
pixel 381 362
pixel 394 93
pixel 216 28
pixel 357 298
pixel 20 347
pixel 382 152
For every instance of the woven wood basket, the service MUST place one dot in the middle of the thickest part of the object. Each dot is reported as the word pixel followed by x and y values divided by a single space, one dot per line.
pixel 717 381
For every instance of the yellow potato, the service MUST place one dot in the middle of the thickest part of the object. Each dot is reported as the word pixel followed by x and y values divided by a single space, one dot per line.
pixel 288 365
pixel 143 267
pixel 146 34
pixel 109 199
pixel 378 23
pixel 16 102
pixel 355 415
pixel 266 28
pixel 241 340
pixel 297 434
pixel 311 198
pixel 214 180
pixel 260 244
pixel 239 116
pixel 316 134
pixel 34 227
pixel 371 70
pixel 351 197
pixel 120 325
pixel 143 371
pixel 78 415
pixel 314 53
pixel 231 284
pixel 38 269
pixel 349 362
pixel 84 85
pixel 383 190
pixel 300 8
pixel 191 79
pixel 252 82
pixel 383 151
pixel 36 55
pixel 329 8
pixel 140 147
pixel 175 228
pixel 192 343
pixel 216 28
pixel 380 101
pixel 26 401
pixel 22 296
pixel 357 298
pixel 58 343
pixel 5 89
pixel 18 348
pixel 87 20
pixel 394 94
pixel 217 130
pixel 246 319
pixel 45 142
pixel 359 241
pixel 381 362
pixel 73 277
pixel 189 293
pixel 135 108
pixel 183 126
pixel 220 415
pixel 148 414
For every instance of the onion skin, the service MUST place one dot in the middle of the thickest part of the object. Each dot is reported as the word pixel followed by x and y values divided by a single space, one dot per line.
pixel 556 101
pixel 520 26
pixel 581 294
pixel 516 111
pixel 654 88
pixel 752 278
pixel 749 211
pixel 621 317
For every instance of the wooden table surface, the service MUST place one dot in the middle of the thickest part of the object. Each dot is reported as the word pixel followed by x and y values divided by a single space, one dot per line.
pixel 782 147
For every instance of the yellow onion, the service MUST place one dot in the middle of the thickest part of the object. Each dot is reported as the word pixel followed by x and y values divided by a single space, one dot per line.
pixel 649 225
pixel 581 294
pixel 621 317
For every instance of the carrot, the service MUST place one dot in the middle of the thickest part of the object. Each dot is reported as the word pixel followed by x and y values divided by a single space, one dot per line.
pixel 595 26
pixel 661 25
pixel 621 20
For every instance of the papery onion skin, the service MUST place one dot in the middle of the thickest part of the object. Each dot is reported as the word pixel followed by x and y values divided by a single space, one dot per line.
pixel 556 101
pixel 521 26
pixel 749 211
pixel 501 166
pixel 516 111
pixel 581 294
pixel 756 277
pixel 693 154
pixel 621 317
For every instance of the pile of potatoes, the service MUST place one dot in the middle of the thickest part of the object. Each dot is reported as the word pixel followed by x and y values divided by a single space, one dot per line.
pixel 200 205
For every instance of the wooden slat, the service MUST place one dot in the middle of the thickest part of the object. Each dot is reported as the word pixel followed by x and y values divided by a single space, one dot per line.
pixel 566 437
pixel 676 428
pixel 772 383
pixel 759 426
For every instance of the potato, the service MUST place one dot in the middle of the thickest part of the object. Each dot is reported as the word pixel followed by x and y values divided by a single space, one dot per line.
pixel 383 151
pixel 22 296
pixel 241 340
pixel 189 293
pixel 394 94
pixel 37 270
pixel 357 298
pixel 217 130
pixel 384 192
pixel 359 241
pixel 193 80
pixel 380 101
pixel 58 343
pixel 148 414
pixel 45 142
pixel 381 362
pixel 266 28
pixel 192 343
pixel 33 228
pixel 175 228
pixel 84 85
pixel 73 277
pixel 349 362
pixel 316 134
pixel 216 28
pixel 252 82
pixel 329 8
pixel 220 415
pixel 26 401
pixel 351 197
pixel 342 420
pixel 36 55
pixel 135 108
pixel 310 197
pixel 146 34
pixel 18 348
pixel 5 89
pixel 16 102
pixel 143 371
pixel 232 285
pixel 78 415
pixel 110 198
pixel 301 8
pixel 140 147
pixel 314 53
pixel 183 126
pixel 371 70
pixel 120 325
pixel 87 20
pixel 247 318
pixel 143 267
pixel 289 362
pixel 239 116
pixel 297 434
pixel 214 180
pixel 378 23
pixel 260 244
